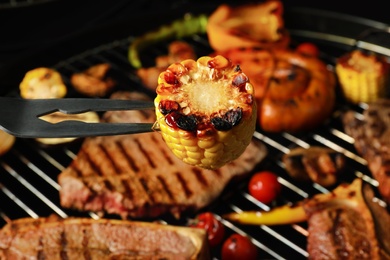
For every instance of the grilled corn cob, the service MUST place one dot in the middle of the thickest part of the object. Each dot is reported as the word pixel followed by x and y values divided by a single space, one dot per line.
pixel 205 110
pixel 363 77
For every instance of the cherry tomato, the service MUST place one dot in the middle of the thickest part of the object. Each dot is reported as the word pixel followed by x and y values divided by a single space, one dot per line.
pixel 308 49
pixel 264 186
pixel 215 229
pixel 238 247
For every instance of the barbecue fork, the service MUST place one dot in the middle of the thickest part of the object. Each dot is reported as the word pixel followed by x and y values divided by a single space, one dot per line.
pixel 20 117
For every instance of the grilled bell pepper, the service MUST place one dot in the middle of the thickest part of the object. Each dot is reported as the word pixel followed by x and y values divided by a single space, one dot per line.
pixel 251 25
pixel 205 110
pixel 282 215
pixel 178 29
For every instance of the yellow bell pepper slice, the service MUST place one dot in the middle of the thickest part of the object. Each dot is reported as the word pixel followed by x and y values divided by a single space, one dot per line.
pixel 283 215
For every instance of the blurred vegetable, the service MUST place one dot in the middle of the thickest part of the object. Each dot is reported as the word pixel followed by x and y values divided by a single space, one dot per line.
pixel 282 215
pixel 42 83
pixel 308 49
pixel 178 29
pixel 264 186
pixel 94 81
pixel 215 229
pixel 248 25
pixel 238 247
pixel 319 164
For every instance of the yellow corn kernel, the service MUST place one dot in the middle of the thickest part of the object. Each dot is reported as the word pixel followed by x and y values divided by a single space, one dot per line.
pixel 217 147
pixel 206 143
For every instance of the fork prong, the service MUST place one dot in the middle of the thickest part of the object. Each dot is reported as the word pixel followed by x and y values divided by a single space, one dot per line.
pixel 82 129
pixel 80 105
pixel 20 117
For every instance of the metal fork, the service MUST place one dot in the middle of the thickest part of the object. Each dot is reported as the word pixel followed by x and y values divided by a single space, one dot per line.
pixel 20 117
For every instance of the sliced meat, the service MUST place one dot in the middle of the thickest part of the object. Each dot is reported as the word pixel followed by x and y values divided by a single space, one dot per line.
pixel 318 164
pixel 94 81
pixel 341 225
pixel 84 238
pixel 138 176
pixel 372 140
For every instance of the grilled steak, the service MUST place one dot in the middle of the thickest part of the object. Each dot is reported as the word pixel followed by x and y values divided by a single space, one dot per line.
pixel 84 238
pixel 347 224
pixel 372 140
pixel 138 176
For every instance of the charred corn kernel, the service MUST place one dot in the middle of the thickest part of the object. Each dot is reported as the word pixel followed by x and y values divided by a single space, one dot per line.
pixel 282 215
pixel 363 77
pixel 42 83
pixel 6 142
pixel 205 111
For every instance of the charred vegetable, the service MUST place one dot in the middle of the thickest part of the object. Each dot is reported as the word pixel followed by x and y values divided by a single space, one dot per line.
pixel 178 29
pixel 205 110
pixel 321 165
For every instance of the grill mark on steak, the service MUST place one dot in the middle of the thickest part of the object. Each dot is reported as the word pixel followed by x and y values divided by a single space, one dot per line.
pixel 63 246
pixel 108 185
pixel 128 157
pixel 199 176
pixel 95 168
pixel 128 191
pixel 75 166
pixel 85 243
pixel 164 153
pixel 144 184
pixel 218 173
pixel 110 159
pixel 166 187
pixel 183 183
pixel 142 149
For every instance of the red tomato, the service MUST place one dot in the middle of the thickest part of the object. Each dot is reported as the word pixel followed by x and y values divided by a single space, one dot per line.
pixel 238 247
pixel 264 186
pixel 308 49
pixel 215 229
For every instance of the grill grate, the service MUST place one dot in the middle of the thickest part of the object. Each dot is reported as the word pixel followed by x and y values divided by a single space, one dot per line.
pixel 28 172
pixel 21 3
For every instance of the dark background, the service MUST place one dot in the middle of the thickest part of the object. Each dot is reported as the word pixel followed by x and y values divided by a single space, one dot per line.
pixel 27 28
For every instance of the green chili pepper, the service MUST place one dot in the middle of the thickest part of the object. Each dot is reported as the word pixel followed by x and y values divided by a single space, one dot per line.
pixel 178 29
